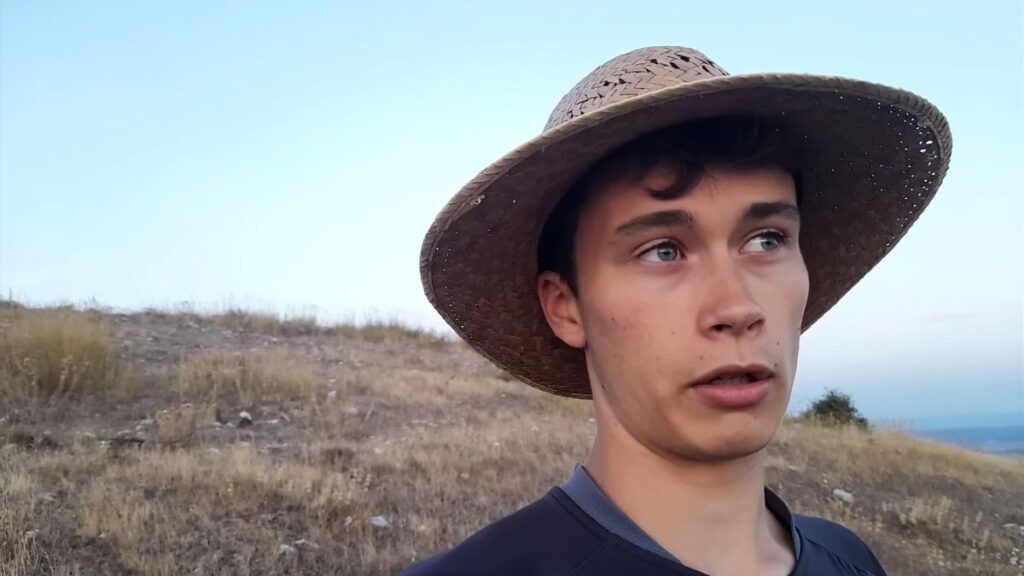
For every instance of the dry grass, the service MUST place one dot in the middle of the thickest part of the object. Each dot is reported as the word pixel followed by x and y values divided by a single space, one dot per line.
pixel 58 353
pixel 372 329
pixel 245 379
pixel 230 510
pixel 19 552
pixel 238 509
pixel 875 456
pixel 179 426
pixel 10 304
pixel 211 491
pixel 925 507
pixel 266 322
pixel 382 330
pixel 367 454
pixel 417 386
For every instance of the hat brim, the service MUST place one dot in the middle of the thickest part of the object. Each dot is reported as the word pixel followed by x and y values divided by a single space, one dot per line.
pixel 875 156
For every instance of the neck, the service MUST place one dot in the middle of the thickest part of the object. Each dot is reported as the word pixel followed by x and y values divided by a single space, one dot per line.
pixel 709 515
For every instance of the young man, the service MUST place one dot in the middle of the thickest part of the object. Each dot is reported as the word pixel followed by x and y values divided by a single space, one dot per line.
pixel 660 247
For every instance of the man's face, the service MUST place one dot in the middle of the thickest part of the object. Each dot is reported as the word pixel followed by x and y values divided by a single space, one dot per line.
pixel 672 290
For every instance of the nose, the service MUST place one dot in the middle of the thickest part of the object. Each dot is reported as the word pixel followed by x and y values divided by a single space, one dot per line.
pixel 729 307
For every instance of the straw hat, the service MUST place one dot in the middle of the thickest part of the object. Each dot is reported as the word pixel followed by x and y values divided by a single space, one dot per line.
pixel 876 156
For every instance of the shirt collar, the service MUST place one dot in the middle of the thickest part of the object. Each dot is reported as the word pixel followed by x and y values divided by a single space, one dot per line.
pixel 582 490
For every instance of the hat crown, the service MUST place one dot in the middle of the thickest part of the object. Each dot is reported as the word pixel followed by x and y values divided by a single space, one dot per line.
pixel 633 74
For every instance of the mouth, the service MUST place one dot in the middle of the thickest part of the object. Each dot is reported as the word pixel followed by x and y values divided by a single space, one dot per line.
pixel 734 387
pixel 734 375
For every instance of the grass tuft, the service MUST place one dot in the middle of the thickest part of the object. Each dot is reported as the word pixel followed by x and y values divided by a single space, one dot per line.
pixel 57 353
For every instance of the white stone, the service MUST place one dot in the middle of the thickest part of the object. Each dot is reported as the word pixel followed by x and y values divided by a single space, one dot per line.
pixel 244 419
pixel 843 495
pixel 380 522
pixel 303 543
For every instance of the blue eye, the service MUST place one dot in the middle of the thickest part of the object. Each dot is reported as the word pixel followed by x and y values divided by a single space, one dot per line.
pixel 769 241
pixel 665 252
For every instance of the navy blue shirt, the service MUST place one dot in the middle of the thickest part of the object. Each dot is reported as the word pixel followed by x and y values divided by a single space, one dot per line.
pixel 576 530
pixel 582 489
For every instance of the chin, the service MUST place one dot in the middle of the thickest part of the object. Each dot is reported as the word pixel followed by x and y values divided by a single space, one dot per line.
pixel 729 440
pixel 739 447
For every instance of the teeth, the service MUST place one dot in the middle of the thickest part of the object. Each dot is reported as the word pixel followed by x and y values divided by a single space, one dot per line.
pixel 733 379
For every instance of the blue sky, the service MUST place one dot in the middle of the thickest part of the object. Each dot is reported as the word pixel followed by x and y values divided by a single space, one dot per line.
pixel 290 155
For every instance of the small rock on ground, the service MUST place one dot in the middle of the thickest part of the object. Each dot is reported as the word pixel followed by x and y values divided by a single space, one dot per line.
pixel 380 522
pixel 303 543
pixel 843 495
pixel 244 419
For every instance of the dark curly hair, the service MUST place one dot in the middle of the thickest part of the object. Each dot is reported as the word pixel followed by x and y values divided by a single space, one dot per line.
pixel 733 142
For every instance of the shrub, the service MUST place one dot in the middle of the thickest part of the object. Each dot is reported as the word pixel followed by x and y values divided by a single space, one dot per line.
pixel 834 408
pixel 59 353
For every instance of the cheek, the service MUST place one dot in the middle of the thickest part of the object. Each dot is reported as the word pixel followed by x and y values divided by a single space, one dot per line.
pixel 783 298
pixel 788 292
pixel 640 317
pixel 614 327
pixel 789 295
pixel 635 338
pixel 618 331
pixel 799 292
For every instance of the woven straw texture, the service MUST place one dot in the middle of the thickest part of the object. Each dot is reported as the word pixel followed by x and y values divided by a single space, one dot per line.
pixel 876 156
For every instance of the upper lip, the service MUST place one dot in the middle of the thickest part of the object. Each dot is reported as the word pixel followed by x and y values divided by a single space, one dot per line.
pixel 758 371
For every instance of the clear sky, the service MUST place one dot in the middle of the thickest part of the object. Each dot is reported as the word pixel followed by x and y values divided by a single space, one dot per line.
pixel 290 156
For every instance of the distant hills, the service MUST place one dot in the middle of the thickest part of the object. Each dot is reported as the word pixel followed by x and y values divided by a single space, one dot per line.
pixel 950 421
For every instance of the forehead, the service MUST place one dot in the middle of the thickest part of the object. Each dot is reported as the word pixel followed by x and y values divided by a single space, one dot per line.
pixel 717 191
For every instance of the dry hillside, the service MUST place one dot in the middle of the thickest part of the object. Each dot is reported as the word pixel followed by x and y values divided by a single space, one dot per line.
pixel 122 451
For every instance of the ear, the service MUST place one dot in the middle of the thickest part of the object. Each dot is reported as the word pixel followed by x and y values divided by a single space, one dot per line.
pixel 561 309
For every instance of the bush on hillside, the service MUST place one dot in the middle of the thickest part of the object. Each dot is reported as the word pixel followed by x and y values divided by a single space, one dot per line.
pixel 59 353
pixel 835 408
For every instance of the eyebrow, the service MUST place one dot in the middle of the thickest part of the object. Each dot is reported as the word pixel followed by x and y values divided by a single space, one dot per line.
pixel 672 218
pixel 660 219
pixel 763 210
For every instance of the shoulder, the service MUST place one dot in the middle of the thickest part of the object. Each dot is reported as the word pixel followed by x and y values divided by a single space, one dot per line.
pixel 542 538
pixel 838 541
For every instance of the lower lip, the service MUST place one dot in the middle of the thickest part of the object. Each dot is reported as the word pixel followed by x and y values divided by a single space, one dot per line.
pixel 734 396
